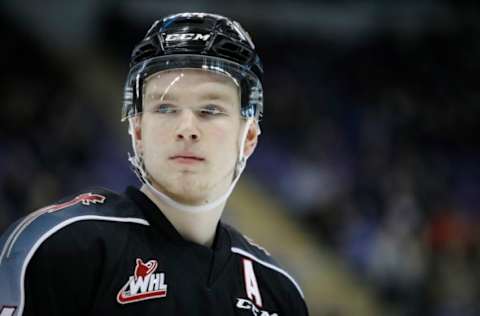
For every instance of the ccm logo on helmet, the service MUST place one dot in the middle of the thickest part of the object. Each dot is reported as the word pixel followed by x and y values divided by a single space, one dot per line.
pixel 187 37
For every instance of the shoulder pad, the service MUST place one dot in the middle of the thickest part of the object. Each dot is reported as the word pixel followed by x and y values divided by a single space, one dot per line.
pixel 246 247
pixel 240 241
pixel 19 243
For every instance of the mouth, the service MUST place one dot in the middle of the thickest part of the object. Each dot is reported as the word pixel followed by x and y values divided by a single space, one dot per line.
pixel 186 159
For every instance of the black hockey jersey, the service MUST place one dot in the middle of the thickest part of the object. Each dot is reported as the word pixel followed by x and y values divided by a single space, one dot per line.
pixel 103 253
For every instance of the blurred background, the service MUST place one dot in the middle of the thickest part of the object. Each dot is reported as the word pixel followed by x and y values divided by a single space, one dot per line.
pixel 366 181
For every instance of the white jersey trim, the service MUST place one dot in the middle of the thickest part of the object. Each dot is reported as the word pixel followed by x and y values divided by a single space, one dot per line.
pixel 268 265
pixel 18 230
pixel 56 228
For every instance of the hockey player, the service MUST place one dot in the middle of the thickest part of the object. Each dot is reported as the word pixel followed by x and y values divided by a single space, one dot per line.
pixel 193 99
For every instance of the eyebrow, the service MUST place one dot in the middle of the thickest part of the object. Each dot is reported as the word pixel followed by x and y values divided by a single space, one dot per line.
pixel 161 96
pixel 211 96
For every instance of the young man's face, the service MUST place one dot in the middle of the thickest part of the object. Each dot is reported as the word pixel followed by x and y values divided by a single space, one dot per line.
pixel 189 133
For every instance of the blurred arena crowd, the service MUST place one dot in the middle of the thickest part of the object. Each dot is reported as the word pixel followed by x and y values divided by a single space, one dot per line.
pixel 373 144
pixel 376 151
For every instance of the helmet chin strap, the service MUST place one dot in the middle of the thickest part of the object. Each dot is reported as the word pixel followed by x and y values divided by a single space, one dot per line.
pixel 139 169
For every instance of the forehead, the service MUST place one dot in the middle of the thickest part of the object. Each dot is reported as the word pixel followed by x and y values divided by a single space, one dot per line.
pixel 188 80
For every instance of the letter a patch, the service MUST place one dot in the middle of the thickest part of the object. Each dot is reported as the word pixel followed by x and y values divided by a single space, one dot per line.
pixel 251 284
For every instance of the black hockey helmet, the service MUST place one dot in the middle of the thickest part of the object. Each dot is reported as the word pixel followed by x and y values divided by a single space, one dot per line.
pixel 196 40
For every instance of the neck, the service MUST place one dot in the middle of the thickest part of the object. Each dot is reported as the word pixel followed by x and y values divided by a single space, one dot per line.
pixel 198 227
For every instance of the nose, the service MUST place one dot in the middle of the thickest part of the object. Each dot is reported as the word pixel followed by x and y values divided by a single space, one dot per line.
pixel 187 129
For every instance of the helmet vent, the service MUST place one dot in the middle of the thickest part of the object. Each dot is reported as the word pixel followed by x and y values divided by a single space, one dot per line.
pixel 230 50
pixel 189 20
pixel 143 51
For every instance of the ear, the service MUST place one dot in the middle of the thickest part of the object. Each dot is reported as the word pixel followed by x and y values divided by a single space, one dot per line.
pixel 136 131
pixel 251 139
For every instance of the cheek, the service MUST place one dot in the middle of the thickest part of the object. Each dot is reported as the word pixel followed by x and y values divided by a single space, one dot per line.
pixel 219 133
pixel 154 140
pixel 224 135
pixel 223 146
pixel 153 133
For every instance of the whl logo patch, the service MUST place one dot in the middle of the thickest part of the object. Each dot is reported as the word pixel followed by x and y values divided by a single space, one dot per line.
pixel 144 284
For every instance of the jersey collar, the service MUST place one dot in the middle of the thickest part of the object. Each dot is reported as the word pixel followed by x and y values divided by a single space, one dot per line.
pixel 161 223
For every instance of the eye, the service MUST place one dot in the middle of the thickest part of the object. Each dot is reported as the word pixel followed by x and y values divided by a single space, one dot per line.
pixel 165 108
pixel 212 110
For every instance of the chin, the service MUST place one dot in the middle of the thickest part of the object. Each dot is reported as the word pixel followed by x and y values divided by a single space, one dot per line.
pixel 187 196
pixel 187 189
